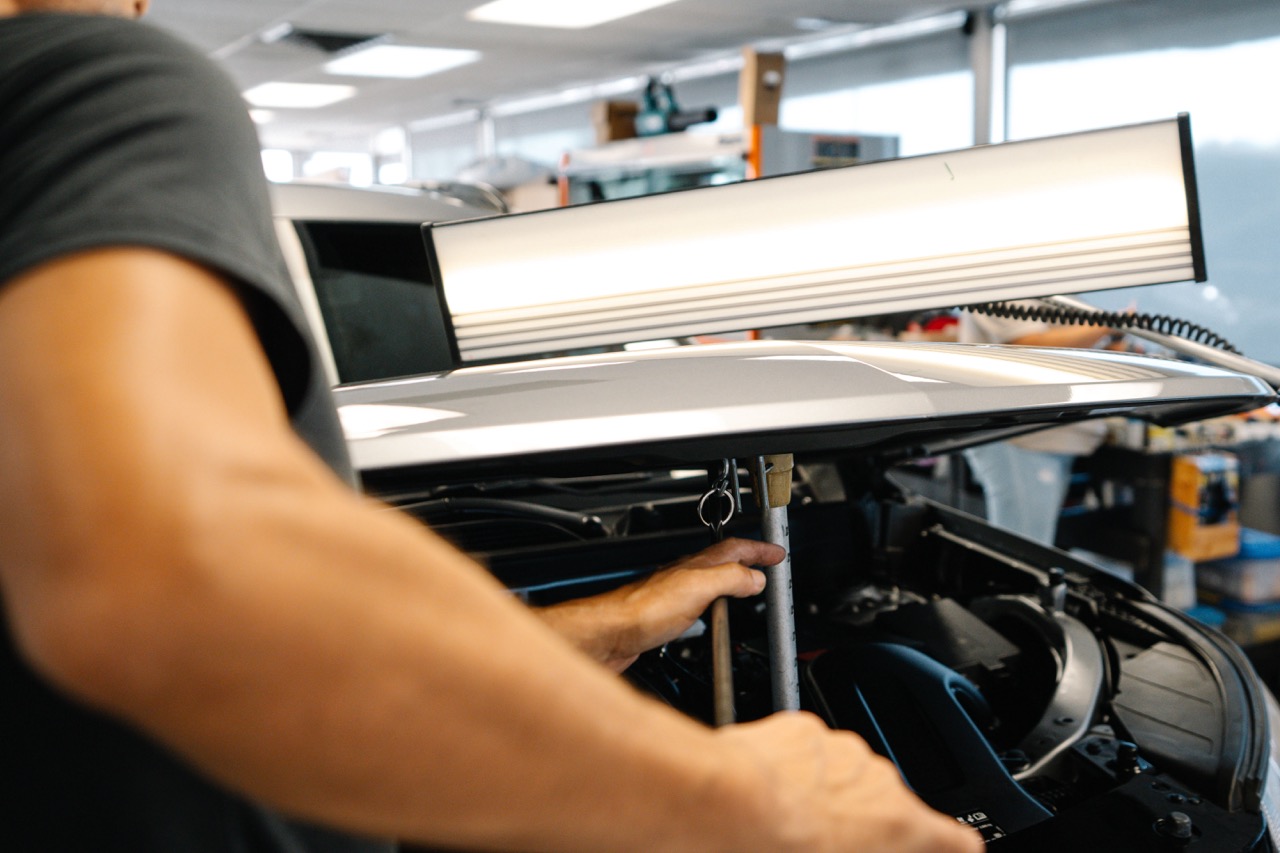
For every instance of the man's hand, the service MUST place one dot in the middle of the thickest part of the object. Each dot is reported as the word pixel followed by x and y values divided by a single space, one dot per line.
pixel 827 791
pixel 616 626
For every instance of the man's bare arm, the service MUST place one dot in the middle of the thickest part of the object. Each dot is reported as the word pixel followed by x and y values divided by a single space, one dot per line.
pixel 1081 337
pixel 172 554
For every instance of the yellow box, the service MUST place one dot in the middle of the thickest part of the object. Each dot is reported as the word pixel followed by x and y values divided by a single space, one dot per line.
pixel 1204 491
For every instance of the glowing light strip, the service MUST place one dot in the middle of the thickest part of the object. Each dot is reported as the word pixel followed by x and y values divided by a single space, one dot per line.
pixel 1060 215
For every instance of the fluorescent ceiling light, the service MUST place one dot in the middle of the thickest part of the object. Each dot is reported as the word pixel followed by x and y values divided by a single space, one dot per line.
pixel 401 61
pixel 297 95
pixel 1022 7
pixel 564 14
pixel 1069 214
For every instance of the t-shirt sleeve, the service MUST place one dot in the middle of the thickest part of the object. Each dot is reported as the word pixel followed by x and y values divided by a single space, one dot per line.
pixel 115 133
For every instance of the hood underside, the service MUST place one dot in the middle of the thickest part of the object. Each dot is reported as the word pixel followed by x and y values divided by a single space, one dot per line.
pixel 690 404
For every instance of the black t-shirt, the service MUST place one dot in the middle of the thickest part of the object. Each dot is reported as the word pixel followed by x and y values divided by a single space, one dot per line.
pixel 113 133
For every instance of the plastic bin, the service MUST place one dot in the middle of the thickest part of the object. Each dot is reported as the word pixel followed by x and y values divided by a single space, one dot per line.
pixel 1251 624
pixel 1252 576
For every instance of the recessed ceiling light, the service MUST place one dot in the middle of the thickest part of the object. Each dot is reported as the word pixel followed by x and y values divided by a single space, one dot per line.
pixel 565 14
pixel 392 60
pixel 297 95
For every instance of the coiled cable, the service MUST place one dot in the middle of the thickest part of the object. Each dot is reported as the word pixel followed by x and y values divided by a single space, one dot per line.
pixel 1062 315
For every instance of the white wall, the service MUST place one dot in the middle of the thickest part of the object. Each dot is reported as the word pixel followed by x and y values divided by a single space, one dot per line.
pixel 1218 62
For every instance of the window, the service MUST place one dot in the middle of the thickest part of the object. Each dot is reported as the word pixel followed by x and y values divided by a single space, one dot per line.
pixel 1131 62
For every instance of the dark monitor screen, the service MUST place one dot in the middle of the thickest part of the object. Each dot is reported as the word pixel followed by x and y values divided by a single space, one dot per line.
pixel 376 296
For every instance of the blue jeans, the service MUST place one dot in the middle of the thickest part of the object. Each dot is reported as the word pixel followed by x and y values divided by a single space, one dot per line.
pixel 1024 489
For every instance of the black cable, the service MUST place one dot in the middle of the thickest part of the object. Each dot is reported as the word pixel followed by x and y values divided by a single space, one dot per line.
pixel 1062 315
pixel 584 525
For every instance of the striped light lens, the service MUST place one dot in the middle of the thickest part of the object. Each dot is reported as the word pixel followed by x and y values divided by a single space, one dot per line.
pixel 1088 211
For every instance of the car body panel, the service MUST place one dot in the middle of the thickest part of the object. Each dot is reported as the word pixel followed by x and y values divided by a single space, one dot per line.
pixel 758 397
pixel 336 202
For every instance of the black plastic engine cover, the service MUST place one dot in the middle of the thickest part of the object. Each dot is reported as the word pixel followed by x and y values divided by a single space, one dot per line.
pixel 920 715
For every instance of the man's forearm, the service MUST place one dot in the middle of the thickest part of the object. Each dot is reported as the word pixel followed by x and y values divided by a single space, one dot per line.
pixel 1082 337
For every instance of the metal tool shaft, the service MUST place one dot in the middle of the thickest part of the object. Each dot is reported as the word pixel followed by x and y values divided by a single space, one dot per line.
pixel 773 490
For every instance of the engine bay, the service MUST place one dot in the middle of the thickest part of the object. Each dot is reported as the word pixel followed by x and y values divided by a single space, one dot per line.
pixel 1018 689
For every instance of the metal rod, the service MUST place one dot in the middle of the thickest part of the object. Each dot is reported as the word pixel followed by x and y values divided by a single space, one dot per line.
pixel 773 492
pixel 1212 355
pixel 989 63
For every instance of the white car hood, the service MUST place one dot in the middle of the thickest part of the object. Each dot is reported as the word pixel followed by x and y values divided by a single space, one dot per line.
pixel 687 404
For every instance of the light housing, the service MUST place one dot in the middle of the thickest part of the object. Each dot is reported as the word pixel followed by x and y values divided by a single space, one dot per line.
pixel 1067 214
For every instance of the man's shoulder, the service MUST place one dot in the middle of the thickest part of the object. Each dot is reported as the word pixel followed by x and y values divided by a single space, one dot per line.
pixel 66 77
pixel 68 28
pixel 76 41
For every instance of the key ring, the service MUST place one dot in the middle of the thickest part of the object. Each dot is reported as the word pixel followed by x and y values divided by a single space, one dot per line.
pixel 724 490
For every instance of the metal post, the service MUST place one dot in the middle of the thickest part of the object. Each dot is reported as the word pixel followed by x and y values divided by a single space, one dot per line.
pixel 486 135
pixel 987 57
pixel 773 492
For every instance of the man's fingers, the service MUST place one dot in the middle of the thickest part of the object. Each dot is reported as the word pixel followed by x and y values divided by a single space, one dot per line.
pixel 749 552
pixel 733 579
pixel 700 585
